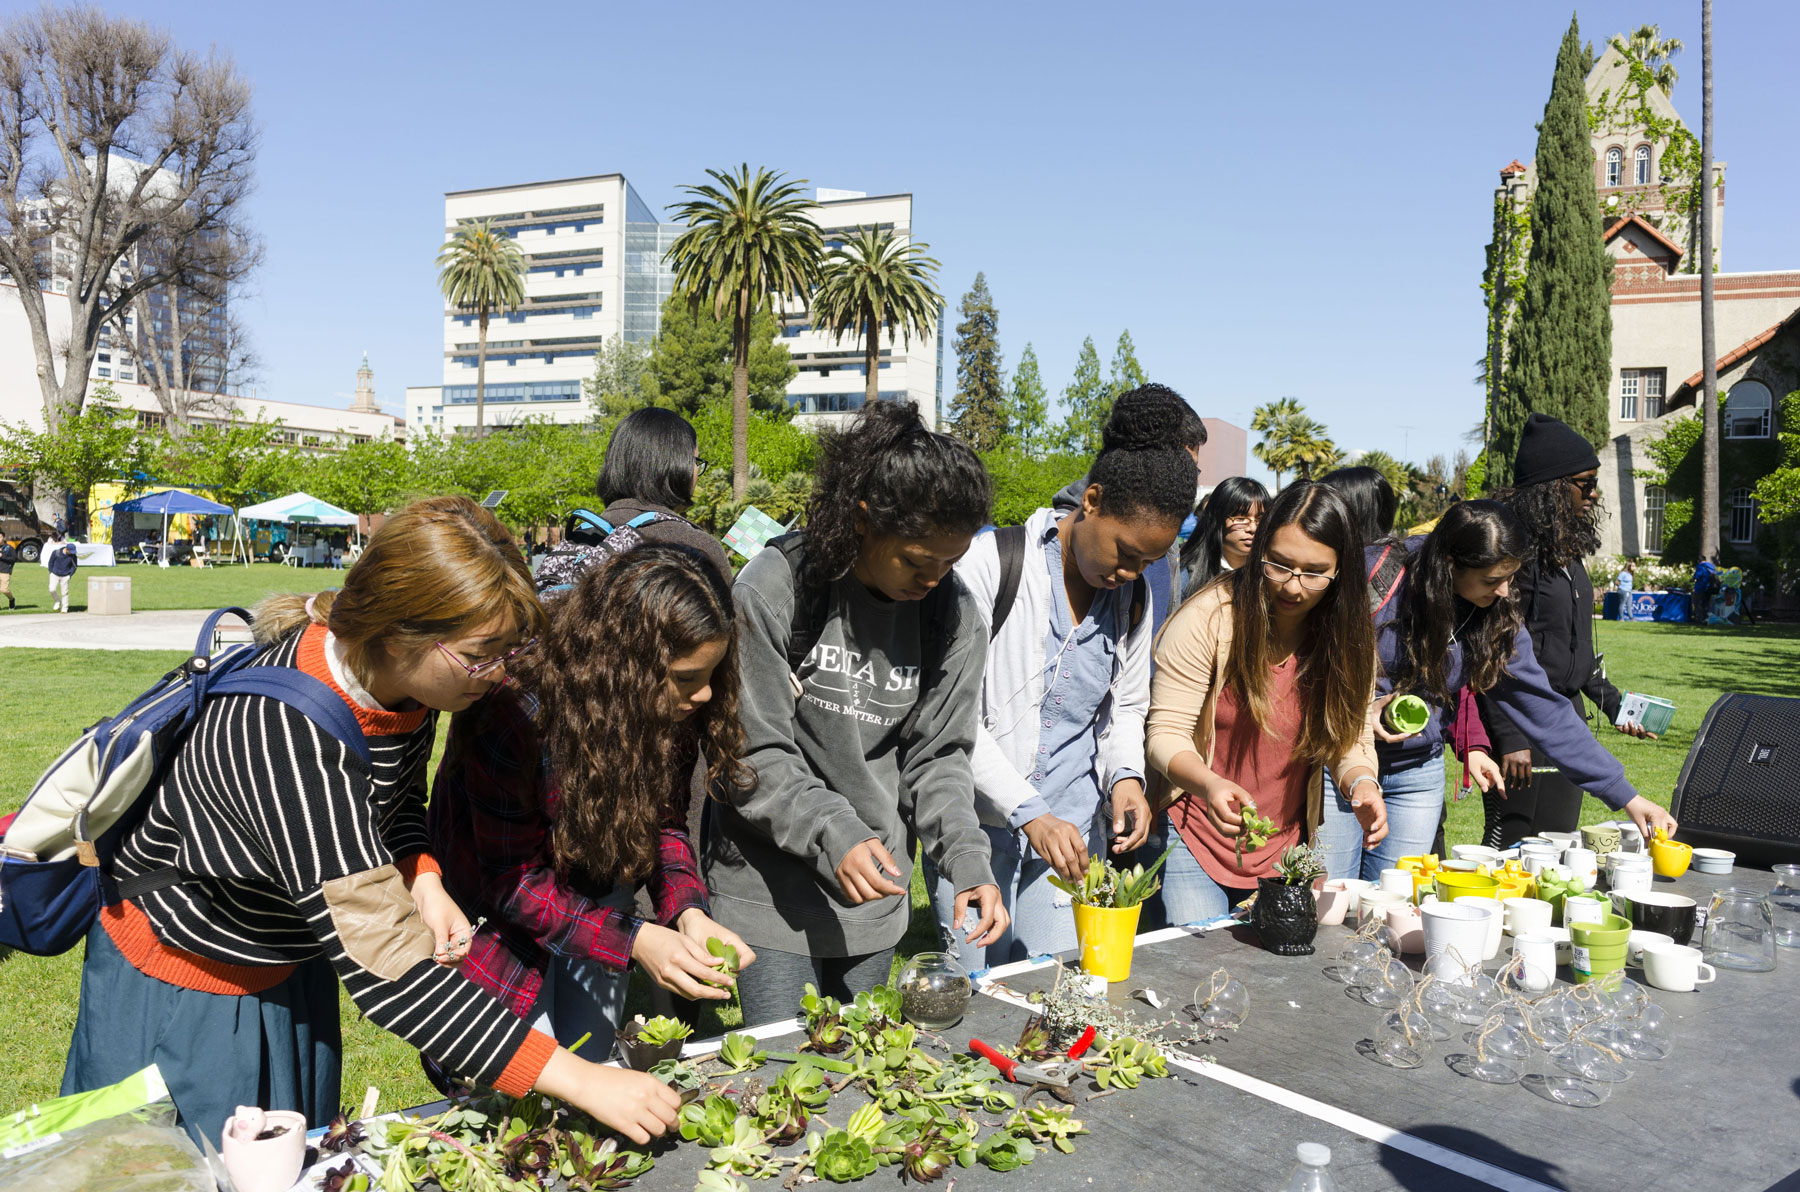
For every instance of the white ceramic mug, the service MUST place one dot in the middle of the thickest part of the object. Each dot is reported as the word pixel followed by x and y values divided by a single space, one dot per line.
pixel 1373 904
pixel 1583 863
pixel 1563 839
pixel 1584 908
pixel 1491 945
pixel 1631 840
pixel 1526 914
pixel 1628 877
pixel 1354 887
pixel 1455 936
pixel 1534 960
pixel 1478 853
pixel 1676 967
pixel 1637 941
pixel 1397 881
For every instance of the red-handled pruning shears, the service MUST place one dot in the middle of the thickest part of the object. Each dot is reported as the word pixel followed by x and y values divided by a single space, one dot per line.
pixel 1061 1074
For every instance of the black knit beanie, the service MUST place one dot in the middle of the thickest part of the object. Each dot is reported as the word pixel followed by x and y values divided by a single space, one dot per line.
pixel 1550 450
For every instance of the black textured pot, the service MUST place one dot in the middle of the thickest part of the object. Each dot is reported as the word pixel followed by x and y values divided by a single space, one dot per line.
pixel 1285 917
pixel 643 1056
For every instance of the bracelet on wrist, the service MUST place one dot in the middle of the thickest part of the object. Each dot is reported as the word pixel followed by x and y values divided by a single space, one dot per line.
pixel 1367 778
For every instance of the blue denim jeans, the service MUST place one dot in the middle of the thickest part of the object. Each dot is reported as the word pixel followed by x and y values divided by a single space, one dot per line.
pixel 1188 894
pixel 1415 800
pixel 583 997
pixel 1043 918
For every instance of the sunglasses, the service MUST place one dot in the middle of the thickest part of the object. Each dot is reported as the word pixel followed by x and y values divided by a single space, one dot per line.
pixel 1587 486
pixel 482 668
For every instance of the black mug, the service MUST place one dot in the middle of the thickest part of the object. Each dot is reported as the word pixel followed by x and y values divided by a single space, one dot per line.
pixel 1671 914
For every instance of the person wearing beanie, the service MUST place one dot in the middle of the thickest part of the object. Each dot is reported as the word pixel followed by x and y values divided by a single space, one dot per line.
pixel 1556 492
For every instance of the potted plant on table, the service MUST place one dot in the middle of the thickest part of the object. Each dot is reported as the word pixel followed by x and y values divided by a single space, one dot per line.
pixel 646 1044
pixel 1284 913
pixel 1108 901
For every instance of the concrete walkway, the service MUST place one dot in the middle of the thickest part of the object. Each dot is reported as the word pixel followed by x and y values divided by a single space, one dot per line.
pixel 169 630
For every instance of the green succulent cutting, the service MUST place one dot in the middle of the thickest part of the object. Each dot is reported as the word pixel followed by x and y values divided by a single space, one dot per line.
pixel 1106 885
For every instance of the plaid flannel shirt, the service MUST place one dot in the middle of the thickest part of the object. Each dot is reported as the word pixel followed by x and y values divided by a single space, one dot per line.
pixel 491 811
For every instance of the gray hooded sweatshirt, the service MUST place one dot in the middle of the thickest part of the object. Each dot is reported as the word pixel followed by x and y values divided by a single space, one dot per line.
pixel 843 763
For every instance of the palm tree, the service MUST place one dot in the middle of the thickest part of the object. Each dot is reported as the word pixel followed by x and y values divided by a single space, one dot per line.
pixel 480 271
pixel 1313 451
pixel 1648 46
pixel 1275 421
pixel 874 282
pixel 749 240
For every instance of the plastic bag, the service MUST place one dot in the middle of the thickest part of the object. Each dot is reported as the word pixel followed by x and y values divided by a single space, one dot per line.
pixel 140 1151
pixel 144 1087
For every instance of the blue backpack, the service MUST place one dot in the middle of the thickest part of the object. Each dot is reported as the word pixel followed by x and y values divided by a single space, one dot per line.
pixel 56 854
pixel 588 541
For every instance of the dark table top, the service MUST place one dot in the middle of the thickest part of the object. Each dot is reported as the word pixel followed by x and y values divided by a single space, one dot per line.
pixel 1718 1113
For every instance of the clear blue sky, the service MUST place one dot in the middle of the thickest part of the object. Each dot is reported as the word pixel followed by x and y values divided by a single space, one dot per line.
pixel 1275 199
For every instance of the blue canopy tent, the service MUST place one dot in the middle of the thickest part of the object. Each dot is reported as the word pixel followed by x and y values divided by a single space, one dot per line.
pixel 169 503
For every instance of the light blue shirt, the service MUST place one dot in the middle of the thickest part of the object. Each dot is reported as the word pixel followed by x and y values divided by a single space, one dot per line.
pixel 1079 664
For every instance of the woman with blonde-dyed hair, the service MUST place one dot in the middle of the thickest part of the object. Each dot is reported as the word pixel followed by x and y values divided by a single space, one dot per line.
pixel 292 864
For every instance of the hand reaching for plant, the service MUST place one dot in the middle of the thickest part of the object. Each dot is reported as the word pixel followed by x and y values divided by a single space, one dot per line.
pixel 1130 815
pixel 1060 844
pixel 636 1104
pixel 699 927
pixel 450 930
pixel 680 964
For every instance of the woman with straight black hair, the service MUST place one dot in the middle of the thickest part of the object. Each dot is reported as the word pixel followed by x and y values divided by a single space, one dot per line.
pixel 1224 528
pixel 1370 497
pixel 1264 678
pixel 862 667
pixel 1456 621
pixel 647 482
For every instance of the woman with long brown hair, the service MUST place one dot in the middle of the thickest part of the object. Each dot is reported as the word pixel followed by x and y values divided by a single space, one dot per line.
pixel 273 861
pixel 561 794
pixel 1263 679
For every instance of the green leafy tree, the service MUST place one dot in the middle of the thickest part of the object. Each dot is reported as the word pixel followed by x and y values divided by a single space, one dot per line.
pixel 1028 429
pixel 1087 400
pixel 876 282
pixel 1286 433
pixel 480 271
pixel 618 384
pixel 775 445
pixel 238 462
pixel 1127 373
pixel 1560 341
pixel 1314 452
pixel 749 241
pixel 99 442
pixel 978 412
pixel 689 365
pixel 1023 483
pixel 364 478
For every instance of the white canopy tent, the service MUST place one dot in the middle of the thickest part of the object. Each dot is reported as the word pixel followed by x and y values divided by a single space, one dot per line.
pixel 296 507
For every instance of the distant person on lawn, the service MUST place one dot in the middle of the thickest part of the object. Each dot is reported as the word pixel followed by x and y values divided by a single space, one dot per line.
pixel 61 563
pixel 8 556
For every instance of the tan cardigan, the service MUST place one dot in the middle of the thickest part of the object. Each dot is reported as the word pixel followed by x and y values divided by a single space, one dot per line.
pixel 1190 658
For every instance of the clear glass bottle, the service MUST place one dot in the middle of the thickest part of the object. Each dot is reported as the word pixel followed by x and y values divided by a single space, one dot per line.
pixel 934 991
pixel 1314 1172
pixel 1784 901
pixel 1740 931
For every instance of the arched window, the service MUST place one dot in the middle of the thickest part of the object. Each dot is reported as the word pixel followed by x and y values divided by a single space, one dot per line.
pixel 1640 166
pixel 1615 166
pixel 1747 411
pixel 1655 497
pixel 1743 516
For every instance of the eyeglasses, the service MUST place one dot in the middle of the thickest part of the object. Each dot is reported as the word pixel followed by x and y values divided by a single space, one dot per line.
pixel 1312 581
pixel 700 466
pixel 482 668
pixel 1241 523
pixel 1586 486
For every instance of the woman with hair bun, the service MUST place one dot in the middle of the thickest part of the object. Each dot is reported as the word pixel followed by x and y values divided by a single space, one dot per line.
pixel 862 664
pixel 291 864
pixel 561 794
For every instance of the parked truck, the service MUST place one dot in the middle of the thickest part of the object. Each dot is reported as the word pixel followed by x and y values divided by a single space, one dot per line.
pixel 19 523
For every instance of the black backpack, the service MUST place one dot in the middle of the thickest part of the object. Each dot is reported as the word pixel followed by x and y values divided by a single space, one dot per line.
pixel 589 540
pixel 1010 542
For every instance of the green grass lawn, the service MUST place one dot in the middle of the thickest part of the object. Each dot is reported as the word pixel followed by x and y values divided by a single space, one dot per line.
pixel 154 588
pixel 48 696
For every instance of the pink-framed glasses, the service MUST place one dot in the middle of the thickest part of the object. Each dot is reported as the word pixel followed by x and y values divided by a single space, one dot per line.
pixel 482 668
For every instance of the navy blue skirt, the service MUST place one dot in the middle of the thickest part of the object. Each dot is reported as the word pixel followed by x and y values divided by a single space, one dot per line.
pixel 278 1049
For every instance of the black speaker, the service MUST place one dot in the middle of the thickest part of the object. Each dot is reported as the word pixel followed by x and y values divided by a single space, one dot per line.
pixel 1740 786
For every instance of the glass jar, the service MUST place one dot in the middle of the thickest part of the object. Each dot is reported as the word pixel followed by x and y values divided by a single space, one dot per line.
pixel 1740 931
pixel 1784 902
pixel 934 991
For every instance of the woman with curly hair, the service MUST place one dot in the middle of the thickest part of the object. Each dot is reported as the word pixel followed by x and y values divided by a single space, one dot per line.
pixel 562 793
pixel 1454 621
pixel 863 658
pixel 1555 493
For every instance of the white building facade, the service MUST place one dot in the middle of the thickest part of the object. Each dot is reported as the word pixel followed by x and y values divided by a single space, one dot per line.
pixel 596 268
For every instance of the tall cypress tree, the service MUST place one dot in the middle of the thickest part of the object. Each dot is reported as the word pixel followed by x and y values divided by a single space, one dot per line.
pixel 1560 346
pixel 1087 400
pixel 978 412
pixel 1028 410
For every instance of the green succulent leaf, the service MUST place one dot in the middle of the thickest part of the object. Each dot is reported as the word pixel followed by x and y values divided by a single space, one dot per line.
pixel 842 1158
pixel 739 1053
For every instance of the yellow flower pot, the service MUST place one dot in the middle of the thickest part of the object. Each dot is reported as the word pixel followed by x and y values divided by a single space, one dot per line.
pixel 1670 858
pixel 1106 936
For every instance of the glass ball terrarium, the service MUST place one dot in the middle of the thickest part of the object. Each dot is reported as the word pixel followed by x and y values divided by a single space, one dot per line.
pixel 934 991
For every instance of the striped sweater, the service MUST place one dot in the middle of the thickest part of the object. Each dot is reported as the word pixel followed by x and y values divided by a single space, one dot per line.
pixel 283 835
